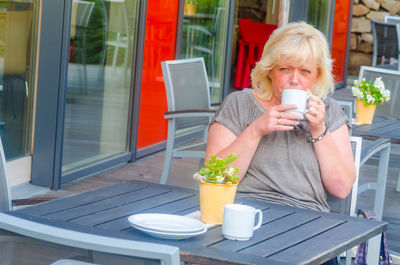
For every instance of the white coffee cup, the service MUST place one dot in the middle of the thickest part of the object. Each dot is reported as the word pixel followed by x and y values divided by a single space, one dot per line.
pixel 296 97
pixel 238 222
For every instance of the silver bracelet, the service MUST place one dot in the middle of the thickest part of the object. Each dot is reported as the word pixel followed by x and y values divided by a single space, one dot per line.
pixel 314 140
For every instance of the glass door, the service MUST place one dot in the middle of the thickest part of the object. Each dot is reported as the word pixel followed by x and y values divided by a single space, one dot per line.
pixel 98 93
pixel 204 34
pixel 18 31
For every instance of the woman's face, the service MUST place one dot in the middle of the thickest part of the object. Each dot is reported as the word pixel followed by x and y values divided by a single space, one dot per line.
pixel 288 75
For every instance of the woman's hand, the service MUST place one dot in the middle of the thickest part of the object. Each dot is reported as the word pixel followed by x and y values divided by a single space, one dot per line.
pixel 276 119
pixel 315 115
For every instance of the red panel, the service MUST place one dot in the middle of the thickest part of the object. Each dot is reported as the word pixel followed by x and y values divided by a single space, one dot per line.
pixel 339 40
pixel 159 45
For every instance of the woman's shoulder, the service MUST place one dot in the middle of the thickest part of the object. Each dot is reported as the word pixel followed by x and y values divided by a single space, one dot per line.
pixel 238 98
pixel 331 103
pixel 240 95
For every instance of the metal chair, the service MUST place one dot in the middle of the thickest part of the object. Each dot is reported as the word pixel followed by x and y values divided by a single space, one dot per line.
pixel 391 79
pixel 363 151
pixel 26 240
pixel 189 108
pixel 386 43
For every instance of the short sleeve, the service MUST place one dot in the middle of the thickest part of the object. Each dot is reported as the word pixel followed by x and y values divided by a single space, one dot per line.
pixel 334 115
pixel 235 112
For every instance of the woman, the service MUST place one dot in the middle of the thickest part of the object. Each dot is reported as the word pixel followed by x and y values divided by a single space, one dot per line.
pixel 280 159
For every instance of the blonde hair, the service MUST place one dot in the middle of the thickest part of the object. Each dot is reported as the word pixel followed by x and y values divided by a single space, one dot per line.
pixel 294 43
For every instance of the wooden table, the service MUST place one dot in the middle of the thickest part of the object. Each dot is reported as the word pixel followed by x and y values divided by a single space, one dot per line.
pixel 288 235
pixel 381 127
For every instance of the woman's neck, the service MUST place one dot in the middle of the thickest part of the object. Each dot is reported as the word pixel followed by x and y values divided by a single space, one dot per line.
pixel 267 103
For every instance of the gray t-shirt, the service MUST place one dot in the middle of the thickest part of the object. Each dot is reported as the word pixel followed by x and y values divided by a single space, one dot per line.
pixel 284 168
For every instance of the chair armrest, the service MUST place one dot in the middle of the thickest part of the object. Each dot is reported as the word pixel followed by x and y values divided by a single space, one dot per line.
pixel 373 147
pixel 190 113
pixel 366 213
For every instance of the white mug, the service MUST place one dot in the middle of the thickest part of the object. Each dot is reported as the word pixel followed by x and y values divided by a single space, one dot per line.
pixel 296 97
pixel 238 223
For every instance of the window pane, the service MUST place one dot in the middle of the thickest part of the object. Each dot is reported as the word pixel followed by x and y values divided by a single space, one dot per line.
pixel 102 42
pixel 204 34
pixel 17 50
pixel 319 14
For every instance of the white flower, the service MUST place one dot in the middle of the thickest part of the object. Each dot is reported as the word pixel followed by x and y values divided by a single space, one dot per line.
pixel 386 93
pixel 231 171
pixel 379 84
pixel 220 178
pixel 370 99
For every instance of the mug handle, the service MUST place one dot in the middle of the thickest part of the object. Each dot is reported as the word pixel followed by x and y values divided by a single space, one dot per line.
pixel 259 219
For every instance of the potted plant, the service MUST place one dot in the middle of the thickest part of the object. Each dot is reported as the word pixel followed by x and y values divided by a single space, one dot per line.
pixel 189 8
pixel 217 186
pixel 368 95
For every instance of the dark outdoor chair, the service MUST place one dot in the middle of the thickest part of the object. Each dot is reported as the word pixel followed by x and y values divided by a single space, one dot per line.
pixel 390 109
pixel 386 43
pixel 189 109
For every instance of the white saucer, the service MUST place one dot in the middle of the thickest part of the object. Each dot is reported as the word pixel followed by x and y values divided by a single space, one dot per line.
pixel 168 223
pixel 168 235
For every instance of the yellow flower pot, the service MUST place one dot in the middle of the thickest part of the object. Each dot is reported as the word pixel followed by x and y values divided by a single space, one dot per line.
pixel 364 113
pixel 189 9
pixel 213 198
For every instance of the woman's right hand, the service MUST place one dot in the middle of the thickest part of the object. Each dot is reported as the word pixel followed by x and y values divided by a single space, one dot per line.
pixel 276 119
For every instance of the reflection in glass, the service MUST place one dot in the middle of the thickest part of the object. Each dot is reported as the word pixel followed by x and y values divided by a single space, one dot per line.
pixel 319 15
pixel 16 71
pixel 98 84
pixel 204 34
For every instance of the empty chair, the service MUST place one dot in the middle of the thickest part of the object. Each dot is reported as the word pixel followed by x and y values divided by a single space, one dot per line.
pixel 252 38
pixel 363 151
pixel 189 110
pixel 28 242
pixel 386 43
pixel 391 79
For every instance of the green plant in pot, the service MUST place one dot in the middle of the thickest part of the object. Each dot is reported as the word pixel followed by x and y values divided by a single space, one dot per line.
pixel 368 95
pixel 217 186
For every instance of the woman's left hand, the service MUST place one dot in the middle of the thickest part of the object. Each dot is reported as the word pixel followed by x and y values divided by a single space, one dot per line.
pixel 315 115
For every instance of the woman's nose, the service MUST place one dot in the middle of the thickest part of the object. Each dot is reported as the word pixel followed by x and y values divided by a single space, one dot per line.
pixel 294 78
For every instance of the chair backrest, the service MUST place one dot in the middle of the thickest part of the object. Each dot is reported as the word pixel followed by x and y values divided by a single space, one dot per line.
pixel 347 206
pixel 255 32
pixel 187 88
pixel 386 43
pixel 5 201
pixel 98 247
pixel 391 79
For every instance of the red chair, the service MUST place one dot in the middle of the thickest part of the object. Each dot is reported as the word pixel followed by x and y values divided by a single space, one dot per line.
pixel 252 38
